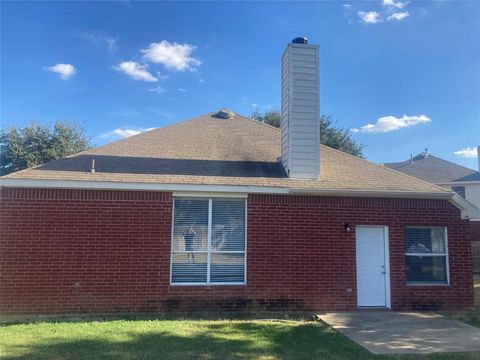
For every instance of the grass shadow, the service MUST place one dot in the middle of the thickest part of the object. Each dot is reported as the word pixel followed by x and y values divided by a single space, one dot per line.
pixel 174 340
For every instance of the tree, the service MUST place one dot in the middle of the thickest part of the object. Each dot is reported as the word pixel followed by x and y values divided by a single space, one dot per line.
pixel 36 144
pixel 336 137
pixel 270 117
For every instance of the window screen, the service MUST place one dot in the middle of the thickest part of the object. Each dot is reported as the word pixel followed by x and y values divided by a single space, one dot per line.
pixel 426 255
pixel 208 241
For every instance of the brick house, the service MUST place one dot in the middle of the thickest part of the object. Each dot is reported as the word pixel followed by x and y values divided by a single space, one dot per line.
pixel 224 212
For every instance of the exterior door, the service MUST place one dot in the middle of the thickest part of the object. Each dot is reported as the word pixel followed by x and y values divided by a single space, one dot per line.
pixel 372 269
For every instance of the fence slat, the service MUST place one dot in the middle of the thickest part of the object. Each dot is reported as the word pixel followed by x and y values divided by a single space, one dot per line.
pixel 476 256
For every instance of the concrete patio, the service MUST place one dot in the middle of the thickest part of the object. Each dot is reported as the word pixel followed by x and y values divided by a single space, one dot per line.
pixel 385 332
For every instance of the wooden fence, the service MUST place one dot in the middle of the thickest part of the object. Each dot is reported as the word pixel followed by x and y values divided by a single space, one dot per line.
pixel 476 256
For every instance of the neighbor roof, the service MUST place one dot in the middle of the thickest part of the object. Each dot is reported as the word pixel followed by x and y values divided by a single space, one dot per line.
pixel 213 151
pixel 435 170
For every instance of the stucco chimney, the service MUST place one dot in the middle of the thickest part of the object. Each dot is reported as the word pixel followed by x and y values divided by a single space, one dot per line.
pixel 300 153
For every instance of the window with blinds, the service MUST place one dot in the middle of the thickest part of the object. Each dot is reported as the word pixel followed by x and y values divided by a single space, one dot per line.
pixel 426 255
pixel 208 241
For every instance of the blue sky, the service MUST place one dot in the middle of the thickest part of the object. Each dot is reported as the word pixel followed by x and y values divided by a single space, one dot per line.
pixel 404 75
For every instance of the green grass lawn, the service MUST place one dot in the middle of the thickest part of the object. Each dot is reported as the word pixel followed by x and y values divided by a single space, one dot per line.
pixel 168 338
pixel 184 339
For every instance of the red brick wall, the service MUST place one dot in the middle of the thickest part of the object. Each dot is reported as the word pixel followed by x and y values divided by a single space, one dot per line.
pixel 75 251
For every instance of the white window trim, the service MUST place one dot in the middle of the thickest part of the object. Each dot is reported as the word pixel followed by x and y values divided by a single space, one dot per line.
pixel 209 251
pixel 447 265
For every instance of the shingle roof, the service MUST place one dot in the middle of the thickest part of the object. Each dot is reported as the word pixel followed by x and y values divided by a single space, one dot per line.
pixel 208 150
pixel 434 169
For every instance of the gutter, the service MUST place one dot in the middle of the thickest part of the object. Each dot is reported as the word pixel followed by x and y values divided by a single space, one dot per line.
pixel 107 185
pixel 375 193
pixel 468 210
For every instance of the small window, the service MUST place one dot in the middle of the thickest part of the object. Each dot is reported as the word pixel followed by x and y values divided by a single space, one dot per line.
pixel 426 255
pixel 208 241
pixel 460 190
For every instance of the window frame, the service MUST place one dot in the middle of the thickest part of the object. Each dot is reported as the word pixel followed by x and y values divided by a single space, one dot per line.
pixel 209 250
pixel 447 266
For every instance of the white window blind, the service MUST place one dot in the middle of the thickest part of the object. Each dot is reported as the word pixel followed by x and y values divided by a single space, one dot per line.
pixel 426 255
pixel 208 241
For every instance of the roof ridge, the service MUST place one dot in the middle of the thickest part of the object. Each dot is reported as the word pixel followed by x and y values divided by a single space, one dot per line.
pixel 408 162
pixel 386 168
pixel 257 121
pixel 140 134
pixel 110 143
pixel 451 162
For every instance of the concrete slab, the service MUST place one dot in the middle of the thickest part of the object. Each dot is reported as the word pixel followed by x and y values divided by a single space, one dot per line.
pixel 385 332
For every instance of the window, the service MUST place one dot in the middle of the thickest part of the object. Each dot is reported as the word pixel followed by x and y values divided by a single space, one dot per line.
pixel 426 255
pixel 460 190
pixel 208 241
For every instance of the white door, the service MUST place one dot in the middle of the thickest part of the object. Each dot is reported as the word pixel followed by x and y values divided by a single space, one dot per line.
pixel 371 266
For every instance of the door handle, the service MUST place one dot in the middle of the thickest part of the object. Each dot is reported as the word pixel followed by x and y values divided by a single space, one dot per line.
pixel 383 272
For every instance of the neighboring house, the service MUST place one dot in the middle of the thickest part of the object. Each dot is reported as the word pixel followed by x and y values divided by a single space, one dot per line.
pixel 224 212
pixel 460 179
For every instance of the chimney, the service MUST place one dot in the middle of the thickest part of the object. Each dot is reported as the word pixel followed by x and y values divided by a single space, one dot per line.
pixel 300 143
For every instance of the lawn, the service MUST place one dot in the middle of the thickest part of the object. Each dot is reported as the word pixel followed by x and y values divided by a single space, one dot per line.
pixel 184 339
pixel 167 338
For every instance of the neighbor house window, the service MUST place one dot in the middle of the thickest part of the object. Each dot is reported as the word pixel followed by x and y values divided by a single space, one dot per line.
pixel 426 255
pixel 208 241
pixel 460 190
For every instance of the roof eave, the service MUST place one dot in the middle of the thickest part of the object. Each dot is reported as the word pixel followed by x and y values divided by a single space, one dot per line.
pixel 446 195
pixel 469 211
pixel 108 185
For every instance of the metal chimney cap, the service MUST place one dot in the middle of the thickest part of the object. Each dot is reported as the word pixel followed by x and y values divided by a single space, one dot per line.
pixel 300 40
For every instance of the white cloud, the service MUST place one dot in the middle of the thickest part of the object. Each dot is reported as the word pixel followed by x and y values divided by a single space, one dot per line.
pixel 100 39
pixel 369 17
pixel 468 152
pixel 399 16
pixel 136 71
pixel 394 4
pixel 347 6
pixel 157 89
pixel 66 71
pixel 124 132
pixel 392 123
pixel 173 56
pixel 181 90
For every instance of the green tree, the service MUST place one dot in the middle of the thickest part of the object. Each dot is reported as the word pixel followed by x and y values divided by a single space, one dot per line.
pixel 270 117
pixel 36 144
pixel 330 135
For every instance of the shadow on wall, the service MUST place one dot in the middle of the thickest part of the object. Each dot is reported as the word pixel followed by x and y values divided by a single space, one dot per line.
pixel 246 340
pixel 161 166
